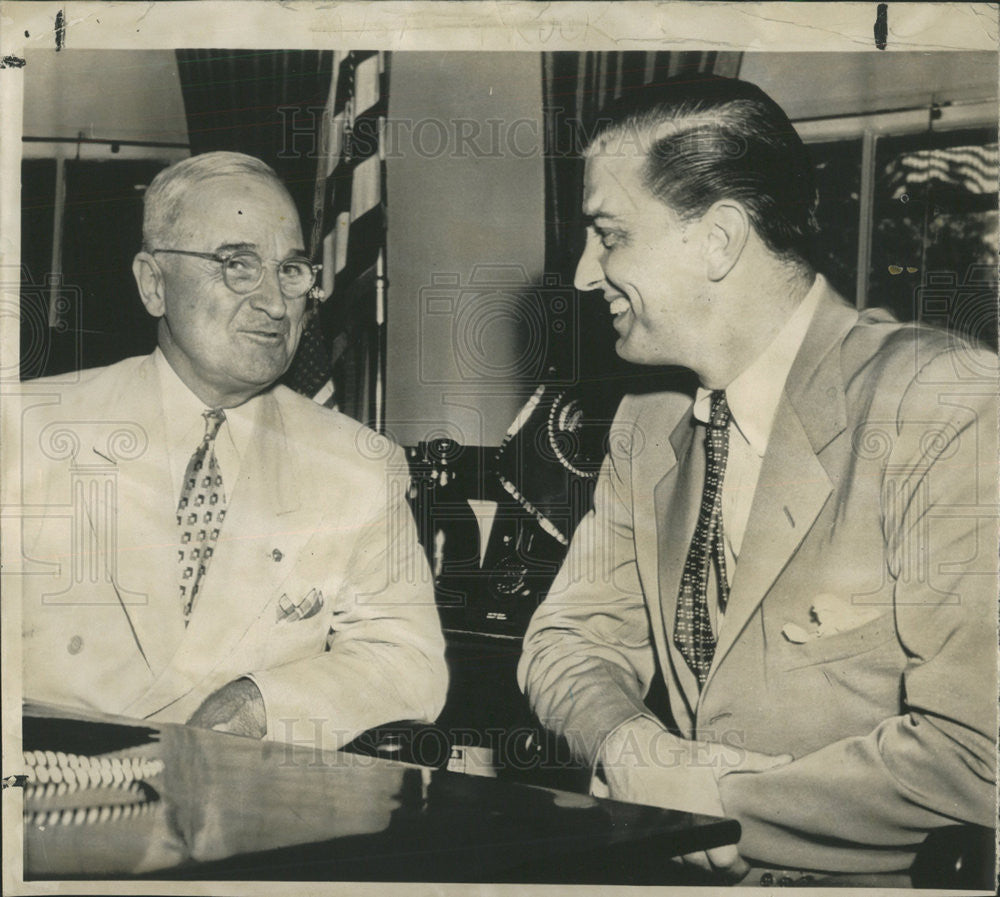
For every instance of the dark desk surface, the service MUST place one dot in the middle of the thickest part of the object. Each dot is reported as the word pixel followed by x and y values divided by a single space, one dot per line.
pixel 224 807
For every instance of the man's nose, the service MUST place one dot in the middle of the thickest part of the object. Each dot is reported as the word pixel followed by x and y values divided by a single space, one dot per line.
pixel 589 273
pixel 268 296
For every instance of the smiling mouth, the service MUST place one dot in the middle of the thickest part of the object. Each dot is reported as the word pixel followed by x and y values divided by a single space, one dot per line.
pixel 619 306
pixel 268 336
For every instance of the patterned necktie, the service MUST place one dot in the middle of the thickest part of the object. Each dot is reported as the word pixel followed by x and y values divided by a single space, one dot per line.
pixel 200 513
pixel 693 623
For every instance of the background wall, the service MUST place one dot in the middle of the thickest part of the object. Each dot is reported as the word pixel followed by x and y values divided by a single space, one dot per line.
pixel 138 97
pixel 807 85
pixel 466 202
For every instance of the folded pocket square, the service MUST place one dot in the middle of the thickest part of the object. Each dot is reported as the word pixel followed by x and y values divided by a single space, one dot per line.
pixel 307 606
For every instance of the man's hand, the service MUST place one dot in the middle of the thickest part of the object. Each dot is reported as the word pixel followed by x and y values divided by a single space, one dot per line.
pixel 237 708
pixel 644 764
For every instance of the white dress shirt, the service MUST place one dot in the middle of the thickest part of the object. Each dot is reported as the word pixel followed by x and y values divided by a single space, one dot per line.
pixel 185 428
pixel 753 399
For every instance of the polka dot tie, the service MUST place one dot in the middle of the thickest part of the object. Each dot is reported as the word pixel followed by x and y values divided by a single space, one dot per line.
pixel 693 623
pixel 200 513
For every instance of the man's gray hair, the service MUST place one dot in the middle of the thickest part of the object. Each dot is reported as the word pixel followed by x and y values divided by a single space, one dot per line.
pixel 168 189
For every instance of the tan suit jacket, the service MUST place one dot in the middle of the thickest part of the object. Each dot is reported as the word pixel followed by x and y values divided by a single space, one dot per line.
pixel 317 589
pixel 877 496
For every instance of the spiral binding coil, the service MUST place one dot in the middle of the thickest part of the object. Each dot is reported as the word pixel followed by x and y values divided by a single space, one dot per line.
pixel 52 774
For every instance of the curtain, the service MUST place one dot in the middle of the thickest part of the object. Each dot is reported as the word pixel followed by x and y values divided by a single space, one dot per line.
pixel 266 103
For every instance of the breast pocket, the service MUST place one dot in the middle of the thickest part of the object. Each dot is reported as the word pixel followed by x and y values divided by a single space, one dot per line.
pixel 297 624
pixel 826 649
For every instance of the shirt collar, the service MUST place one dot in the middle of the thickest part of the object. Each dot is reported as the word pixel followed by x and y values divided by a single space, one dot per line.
pixel 753 396
pixel 183 410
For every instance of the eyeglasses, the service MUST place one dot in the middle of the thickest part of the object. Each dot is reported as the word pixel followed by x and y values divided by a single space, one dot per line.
pixel 243 271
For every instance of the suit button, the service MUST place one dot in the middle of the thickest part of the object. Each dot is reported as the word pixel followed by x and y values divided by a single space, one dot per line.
pixel 766 880
pixel 75 645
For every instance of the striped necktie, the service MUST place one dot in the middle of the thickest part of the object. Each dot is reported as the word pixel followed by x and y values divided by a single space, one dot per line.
pixel 693 634
pixel 200 512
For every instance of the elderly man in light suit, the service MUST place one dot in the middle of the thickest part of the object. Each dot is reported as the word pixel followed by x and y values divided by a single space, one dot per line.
pixel 247 561
pixel 808 547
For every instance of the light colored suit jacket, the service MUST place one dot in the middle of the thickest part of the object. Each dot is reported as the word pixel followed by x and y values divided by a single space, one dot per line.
pixel 318 589
pixel 876 501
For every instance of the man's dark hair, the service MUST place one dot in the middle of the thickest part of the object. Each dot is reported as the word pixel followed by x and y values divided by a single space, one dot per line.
pixel 710 138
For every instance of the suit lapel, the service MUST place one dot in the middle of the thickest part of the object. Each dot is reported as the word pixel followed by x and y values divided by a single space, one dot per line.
pixel 677 498
pixel 263 534
pixel 794 484
pixel 792 488
pixel 141 570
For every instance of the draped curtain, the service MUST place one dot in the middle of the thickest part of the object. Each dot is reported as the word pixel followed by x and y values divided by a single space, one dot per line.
pixel 266 103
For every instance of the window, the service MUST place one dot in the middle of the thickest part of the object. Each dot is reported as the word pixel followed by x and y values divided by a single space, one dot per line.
pixel 934 231
pixel 916 213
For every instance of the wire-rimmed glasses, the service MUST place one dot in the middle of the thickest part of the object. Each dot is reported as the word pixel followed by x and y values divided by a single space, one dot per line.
pixel 243 270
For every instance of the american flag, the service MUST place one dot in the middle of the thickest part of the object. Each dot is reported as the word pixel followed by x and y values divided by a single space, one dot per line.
pixel 340 361
pixel 972 169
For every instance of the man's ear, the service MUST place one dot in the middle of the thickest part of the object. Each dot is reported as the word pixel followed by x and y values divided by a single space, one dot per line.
pixel 727 230
pixel 149 279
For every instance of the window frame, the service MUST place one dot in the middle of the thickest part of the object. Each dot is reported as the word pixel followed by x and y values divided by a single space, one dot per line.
pixel 870 128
